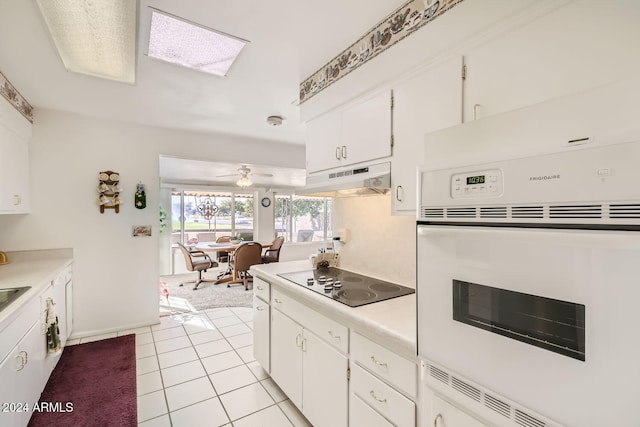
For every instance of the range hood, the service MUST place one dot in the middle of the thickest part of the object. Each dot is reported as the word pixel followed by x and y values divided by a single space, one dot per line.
pixel 359 180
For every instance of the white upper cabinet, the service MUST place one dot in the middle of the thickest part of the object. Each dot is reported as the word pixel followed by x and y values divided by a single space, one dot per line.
pixel 357 133
pixel 15 134
pixel 14 172
pixel 366 129
pixel 424 103
pixel 579 46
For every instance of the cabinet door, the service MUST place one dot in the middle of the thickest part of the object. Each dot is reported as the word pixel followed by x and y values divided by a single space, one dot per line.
pixel 69 308
pixel 425 103
pixel 361 414
pixel 14 172
pixel 323 142
pixel 22 371
pixel 560 53
pixel 324 383
pixel 446 415
pixel 261 319
pixel 366 130
pixel 286 357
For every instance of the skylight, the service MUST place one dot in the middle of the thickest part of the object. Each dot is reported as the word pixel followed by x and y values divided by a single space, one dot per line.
pixel 174 40
pixel 97 38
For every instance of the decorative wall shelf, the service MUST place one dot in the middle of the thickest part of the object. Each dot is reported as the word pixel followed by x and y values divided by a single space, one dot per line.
pixel 109 189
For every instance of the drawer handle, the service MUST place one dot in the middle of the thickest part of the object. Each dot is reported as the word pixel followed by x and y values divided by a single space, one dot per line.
pixel 260 308
pixel 335 337
pixel 277 301
pixel 298 340
pixel 435 420
pixel 381 364
pixel 21 361
pixel 373 394
pixel 260 288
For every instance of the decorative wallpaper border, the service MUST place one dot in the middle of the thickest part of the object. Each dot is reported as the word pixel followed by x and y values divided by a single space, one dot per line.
pixel 402 22
pixel 11 94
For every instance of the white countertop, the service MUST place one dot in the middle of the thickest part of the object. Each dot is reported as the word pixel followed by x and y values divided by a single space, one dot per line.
pixel 34 271
pixel 391 323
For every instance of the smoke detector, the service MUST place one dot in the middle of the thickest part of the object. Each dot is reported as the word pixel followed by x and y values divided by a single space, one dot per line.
pixel 274 120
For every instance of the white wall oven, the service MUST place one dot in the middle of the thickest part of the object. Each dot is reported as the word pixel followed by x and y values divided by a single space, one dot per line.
pixel 529 286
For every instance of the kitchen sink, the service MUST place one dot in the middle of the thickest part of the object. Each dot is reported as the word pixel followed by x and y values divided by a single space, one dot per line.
pixel 7 296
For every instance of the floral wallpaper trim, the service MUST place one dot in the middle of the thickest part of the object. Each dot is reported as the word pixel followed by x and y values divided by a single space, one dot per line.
pixel 12 95
pixel 402 22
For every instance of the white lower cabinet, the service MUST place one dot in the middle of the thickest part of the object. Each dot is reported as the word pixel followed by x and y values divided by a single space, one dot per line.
pixel 21 379
pixel 444 414
pixel 311 371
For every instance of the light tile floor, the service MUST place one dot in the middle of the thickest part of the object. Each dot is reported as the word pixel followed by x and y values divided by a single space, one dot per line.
pixel 198 369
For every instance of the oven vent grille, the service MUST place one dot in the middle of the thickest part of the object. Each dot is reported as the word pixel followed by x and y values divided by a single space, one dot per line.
pixel 497 405
pixel 465 388
pixel 485 403
pixel 461 212
pixel 493 212
pixel 624 211
pixel 432 213
pixel 527 420
pixel 527 212
pixel 581 211
pixel 439 374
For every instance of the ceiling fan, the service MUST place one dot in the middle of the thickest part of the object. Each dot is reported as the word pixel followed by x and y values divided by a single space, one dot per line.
pixel 245 173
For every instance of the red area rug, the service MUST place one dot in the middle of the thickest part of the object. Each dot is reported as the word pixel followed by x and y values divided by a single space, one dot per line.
pixel 97 381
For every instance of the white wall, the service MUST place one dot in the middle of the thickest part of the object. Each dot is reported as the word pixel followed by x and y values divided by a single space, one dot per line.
pixel 115 275
pixel 377 243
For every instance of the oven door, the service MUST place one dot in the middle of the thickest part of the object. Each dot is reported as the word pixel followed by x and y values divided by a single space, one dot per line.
pixel 544 317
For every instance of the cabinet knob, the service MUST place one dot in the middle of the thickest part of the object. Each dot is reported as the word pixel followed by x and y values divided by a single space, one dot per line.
pixel 277 300
pixel 260 288
pixel 338 153
pixel 260 308
pixel 399 191
pixel 343 151
pixel 335 337
pixel 438 417
pixel 17 200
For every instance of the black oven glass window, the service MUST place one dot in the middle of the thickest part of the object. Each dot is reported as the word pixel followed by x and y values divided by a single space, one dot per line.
pixel 554 325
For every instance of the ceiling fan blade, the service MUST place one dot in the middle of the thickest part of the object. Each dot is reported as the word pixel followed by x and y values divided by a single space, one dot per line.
pixel 261 174
pixel 224 176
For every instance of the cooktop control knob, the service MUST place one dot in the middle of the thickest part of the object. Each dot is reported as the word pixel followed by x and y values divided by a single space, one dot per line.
pixel 310 281
pixel 337 284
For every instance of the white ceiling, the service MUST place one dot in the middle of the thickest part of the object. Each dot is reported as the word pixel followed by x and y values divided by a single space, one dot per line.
pixel 289 40
pixel 185 171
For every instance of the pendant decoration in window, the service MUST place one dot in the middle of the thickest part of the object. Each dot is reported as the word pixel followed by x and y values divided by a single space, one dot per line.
pixel 140 197
pixel 266 202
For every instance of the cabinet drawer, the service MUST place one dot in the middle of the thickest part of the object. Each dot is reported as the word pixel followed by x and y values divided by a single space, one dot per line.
pixel 397 370
pixel 332 332
pixel 18 327
pixel 382 398
pixel 361 414
pixel 261 289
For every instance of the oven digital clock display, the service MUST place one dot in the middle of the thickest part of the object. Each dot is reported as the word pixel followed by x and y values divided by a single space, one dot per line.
pixel 478 179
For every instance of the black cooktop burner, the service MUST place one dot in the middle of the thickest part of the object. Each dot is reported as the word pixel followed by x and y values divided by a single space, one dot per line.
pixel 346 287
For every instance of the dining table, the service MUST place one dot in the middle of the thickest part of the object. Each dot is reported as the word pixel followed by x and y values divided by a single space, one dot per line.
pixel 230 275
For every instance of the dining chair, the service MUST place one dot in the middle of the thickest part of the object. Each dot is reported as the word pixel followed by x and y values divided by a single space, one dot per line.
pixel 273 253
pixel 223 256
pixel 199 261
pixel 247 254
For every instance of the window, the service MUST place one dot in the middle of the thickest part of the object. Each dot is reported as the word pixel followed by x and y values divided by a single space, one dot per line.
pixel 206 216
pixel 303 219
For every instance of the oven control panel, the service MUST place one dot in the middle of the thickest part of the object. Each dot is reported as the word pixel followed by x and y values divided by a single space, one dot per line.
pixel 477 184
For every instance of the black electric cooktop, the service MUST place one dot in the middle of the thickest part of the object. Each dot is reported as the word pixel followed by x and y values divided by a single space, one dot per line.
pixel 346 287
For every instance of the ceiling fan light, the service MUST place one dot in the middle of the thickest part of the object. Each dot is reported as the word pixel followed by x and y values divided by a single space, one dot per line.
pixel 244 182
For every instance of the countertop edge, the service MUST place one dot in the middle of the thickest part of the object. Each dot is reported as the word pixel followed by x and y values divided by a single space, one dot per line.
pixel 371 320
